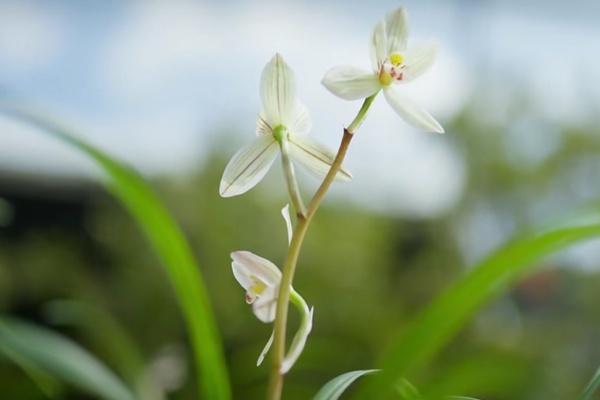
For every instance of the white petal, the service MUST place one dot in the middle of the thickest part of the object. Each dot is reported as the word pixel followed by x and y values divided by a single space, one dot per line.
pixel 247 265
pixel 241 275
pixel 396 25
pixel 285 212
pixel 263 353
pixel 315 157
pixel 412 113
pixel 351 83
pixel 262 126
pixel 278 92
pixel 264 308
pixel 248 166
pixel 378 46
pixel 298 342
pixel 418 60
pixel 301 123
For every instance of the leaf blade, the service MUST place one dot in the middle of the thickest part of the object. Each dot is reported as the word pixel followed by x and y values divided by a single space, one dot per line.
pixel 169 243
pixel 591 387
pixel 59 356
pixel 333 389
pixel 444 317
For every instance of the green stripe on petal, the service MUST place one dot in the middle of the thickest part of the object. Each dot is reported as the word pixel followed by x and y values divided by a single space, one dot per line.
pixel 396 25
pixel 315 157
pixel 278 92
pixel 378 47
pixel 248 166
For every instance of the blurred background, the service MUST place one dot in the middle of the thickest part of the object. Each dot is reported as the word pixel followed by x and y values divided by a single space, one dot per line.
pixel 172 89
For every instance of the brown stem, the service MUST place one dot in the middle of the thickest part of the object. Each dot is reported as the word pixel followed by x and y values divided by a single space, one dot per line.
pixel 276 377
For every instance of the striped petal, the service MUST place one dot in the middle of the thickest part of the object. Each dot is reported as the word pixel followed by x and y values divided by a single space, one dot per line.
pixel 351 83
pixel 418 61
pixel 412 113
pixel 278 92
pixel 262 126
pixel 396 26
pixel 315 157
pixel 301 122
pixel 248 166
pixel 378 46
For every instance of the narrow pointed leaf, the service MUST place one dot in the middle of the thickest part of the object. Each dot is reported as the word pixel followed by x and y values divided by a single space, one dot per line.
pixel 441 320
pixel 337 386
pixel 168 241
pixel 407 391
pixel 60 357
pixel 592 387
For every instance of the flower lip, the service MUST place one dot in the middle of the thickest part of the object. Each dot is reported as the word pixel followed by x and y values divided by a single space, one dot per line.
pixel 260 278
pixel 392 69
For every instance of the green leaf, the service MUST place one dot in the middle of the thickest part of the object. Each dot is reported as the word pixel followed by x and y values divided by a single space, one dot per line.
pixel 6 213
pixel 461 398
pixel 102 330
pixel 591 387
pixel 169 243
pixel 407 391
pixel 449 312
pixel 336 387
pixel 41 349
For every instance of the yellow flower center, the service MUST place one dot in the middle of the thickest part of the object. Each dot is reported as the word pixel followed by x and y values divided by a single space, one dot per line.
pixel 392 69
pixel 396 59
pixel 258 287
pixel 385 78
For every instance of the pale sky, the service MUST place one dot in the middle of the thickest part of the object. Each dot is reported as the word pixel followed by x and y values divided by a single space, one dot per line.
pixel 157 82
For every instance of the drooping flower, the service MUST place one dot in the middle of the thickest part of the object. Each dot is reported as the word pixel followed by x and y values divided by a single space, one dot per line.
pixel 261 280
pixel 393 64
pixel 283 118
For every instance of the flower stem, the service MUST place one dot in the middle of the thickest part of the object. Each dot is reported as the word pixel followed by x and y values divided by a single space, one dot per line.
pixel 276 377
pixel 290 178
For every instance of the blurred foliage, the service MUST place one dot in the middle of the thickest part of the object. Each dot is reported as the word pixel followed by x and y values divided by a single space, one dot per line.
pixel 366 274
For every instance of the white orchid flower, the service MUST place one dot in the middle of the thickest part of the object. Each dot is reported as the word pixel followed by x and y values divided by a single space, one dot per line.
pixel 261 280
pixel 393 64
pixel 283 120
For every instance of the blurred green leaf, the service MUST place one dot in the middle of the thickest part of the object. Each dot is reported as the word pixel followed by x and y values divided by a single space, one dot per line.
pixel 591 387
pixel 336 387
pixel 451 310
pixel 6 212
pixel 108 336
pixel 44 350
pixel 44 381
pixel 407 390
pixel 170 244
pixel 461 398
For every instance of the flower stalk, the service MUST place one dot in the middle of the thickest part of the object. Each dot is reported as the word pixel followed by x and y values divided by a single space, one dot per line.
pixel 290 178
pixel 280 325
